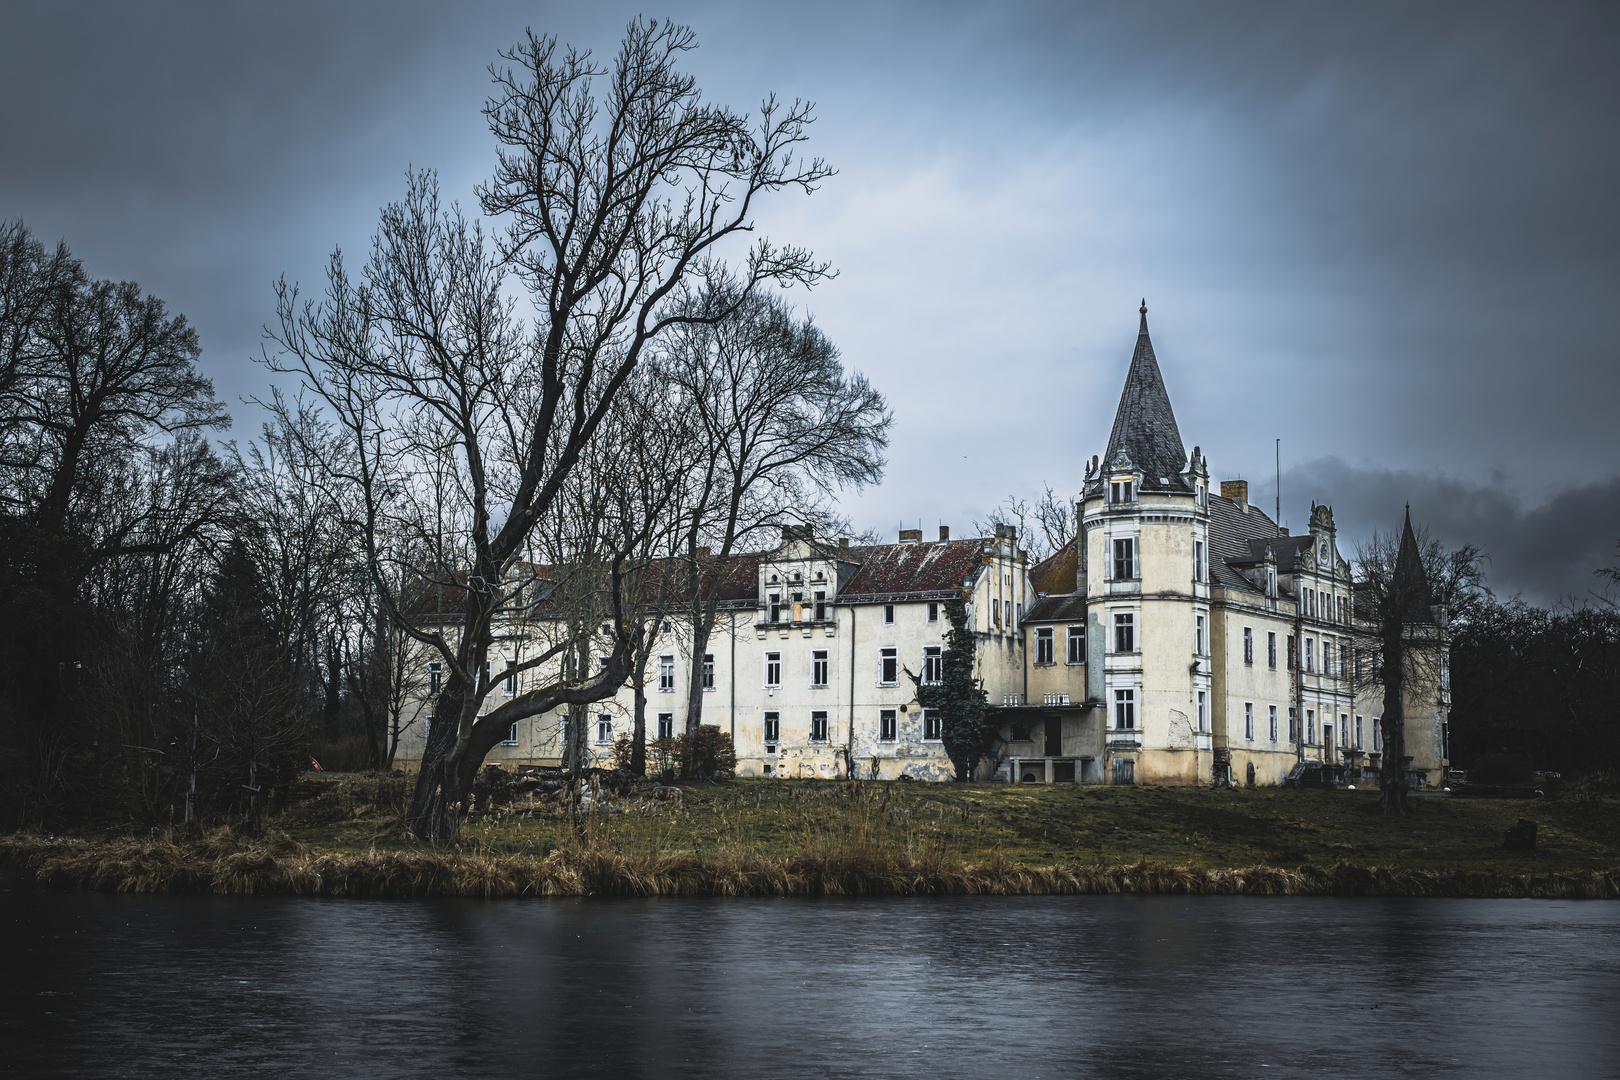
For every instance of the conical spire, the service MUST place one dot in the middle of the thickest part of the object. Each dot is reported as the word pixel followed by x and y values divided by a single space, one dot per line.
pixel 1144 426
pixel 1411 584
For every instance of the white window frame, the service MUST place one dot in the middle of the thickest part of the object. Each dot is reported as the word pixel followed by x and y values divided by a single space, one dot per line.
pixel 510 684
pixel 666 674
pixel 933 611
pixel 773 671
pixel 1199 574
pixel 888 614
pixel 818 726
pixel 1360 744
pixel 1124 559
pixel 1203 712
pixel 1045 646
pixel 773 729
pixel 1271 649
pixel 1200 641
pixel 1076 643
pixel 1121 491
pixel 820 669
pixel 888 666
pixel 1248 720
pixel 933 726
pixel 933 665
pixel 888 725
pixel 1126 621
pixel 1248 645
pixel 1124 718
pixel 666 725
pixel 435 674
pixel 708 671
pixel 512 735
pixel 604 723
pixel 1272 725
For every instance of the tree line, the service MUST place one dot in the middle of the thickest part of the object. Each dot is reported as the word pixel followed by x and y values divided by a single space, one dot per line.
pixel 575 408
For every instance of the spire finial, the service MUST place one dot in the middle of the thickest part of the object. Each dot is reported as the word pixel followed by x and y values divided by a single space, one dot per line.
pixel 1144 305
pixel 1144 315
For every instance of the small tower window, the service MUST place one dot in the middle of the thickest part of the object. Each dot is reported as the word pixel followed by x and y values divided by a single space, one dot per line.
pixel 1120 491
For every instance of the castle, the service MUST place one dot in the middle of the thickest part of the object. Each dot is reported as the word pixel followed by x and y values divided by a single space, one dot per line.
pixel 1181 637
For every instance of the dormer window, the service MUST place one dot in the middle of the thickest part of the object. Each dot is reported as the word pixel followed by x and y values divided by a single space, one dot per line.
pixel 1120 491
pixel 776 607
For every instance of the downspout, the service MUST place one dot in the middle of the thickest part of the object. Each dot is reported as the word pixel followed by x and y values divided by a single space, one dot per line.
pixel 849 736
pixel 1299 672
pixel 733 709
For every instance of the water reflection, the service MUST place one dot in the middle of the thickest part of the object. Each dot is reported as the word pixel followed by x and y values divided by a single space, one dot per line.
pixel 1033 987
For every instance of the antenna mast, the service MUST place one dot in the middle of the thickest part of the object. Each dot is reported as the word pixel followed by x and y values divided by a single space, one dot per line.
pixel 1279 482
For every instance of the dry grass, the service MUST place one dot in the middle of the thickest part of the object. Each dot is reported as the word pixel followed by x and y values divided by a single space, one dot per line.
pixel 598 866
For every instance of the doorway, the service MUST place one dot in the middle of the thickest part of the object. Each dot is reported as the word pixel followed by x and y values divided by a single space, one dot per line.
pixel 1054 737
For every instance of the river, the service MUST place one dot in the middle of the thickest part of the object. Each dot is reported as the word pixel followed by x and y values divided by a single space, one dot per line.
pixel 181 986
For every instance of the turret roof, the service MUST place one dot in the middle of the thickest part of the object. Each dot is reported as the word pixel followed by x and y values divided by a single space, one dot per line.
pixel 1145 426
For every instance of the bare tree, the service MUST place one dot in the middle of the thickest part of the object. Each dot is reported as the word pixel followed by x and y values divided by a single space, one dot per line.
pixel 462 425
pixel 1045 524
pixel 1408 589
pixel 784 425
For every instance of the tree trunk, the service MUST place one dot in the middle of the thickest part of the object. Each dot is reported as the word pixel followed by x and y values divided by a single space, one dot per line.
pixel 638 733
pixel 435 804
pixel 1392 789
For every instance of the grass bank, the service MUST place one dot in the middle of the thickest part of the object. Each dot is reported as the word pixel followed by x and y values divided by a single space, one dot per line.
pixel 343 836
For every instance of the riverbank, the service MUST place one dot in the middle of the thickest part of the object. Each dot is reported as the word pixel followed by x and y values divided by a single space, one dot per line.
pixel 344 836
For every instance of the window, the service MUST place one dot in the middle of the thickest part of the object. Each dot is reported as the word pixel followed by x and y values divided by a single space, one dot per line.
pixel 888 614
pixel 1271 649
pixel 511 685
pixel 1018 616
pixel 933 729
pixel 887 728
pixel 666 725
pixel 708 671
pixel 604 730
pixel 819 668
pixel 888 667
pixel 933 611
pixel 821 605
pixel 933 665
pixel 773 669
pixel 995 612
pixel 1344 729
pixel 1344 661
pixel 797 600
pixel 1378 735
pixel 1199 573
pixel 1124 558
pixel 1327 659
pixel 818 727
pixel 1124 632
pixel 666 674
pixel 1043 645
pixel 435 676
pixel 1248 720
pixel 1310 654
pixel 1293 651
pixel 776 607
pixel 1125 709
pixel 601 664
pixel 773 729
pixel 1272 722
pixel 1293 724
pixel 511 736
pixel 1120 491
pixel 1359 743
pixel 1310 727
pixel 1077 644
pixel 1248 644
pixel 1198 635
pixel 1203 711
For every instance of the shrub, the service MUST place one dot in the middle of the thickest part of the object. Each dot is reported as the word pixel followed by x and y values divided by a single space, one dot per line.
pixel 1500 769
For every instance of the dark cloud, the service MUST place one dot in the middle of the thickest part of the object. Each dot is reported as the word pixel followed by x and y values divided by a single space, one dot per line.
pixel 1544 550
pixel 1384 232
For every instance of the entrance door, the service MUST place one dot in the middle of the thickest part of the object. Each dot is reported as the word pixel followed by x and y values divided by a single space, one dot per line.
pixel 1054 738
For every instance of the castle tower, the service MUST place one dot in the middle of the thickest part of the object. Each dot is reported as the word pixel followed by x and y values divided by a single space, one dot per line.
pixel 1145 523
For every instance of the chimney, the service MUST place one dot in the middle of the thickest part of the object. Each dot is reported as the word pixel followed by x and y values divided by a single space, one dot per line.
pixel 1237 491
pixel 1010 532
pixel 911 536
pixel 843 543
pixel 944 533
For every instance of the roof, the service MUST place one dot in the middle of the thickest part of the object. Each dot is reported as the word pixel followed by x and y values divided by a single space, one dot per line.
pixel 1058 572
pixel 1411 582
pixel 892 569
pixel 1069 607
pixel 1144 425
pixel 1239 537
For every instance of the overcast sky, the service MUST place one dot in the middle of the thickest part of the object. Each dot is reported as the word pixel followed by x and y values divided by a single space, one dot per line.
pixel 1385 234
